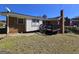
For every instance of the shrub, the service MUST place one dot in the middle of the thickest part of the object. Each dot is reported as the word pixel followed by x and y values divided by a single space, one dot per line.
pixel 72 29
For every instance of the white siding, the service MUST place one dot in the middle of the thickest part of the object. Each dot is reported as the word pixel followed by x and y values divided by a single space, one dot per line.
pixel 30 26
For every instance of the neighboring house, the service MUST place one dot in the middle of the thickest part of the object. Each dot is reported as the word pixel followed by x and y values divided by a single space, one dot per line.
pixel 75 22
pixel 72 22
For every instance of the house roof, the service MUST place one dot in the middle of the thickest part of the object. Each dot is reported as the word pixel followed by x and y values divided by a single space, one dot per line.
pixel 13 14
pixel 53 18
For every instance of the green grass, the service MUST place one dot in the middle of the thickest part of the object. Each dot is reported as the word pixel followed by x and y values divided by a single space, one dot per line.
pixel 60 43
pixel 1 24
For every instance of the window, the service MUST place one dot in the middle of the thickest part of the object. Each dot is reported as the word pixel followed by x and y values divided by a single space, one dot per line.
pixel 20 21
pixel 35 20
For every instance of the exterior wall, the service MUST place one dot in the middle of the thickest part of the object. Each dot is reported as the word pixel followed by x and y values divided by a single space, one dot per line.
pixel 21 26
pixel 27 26
pixel 14 26
pixel 30 26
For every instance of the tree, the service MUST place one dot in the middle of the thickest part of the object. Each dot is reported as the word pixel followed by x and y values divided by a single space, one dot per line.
pixel 67 19
pixel 44 16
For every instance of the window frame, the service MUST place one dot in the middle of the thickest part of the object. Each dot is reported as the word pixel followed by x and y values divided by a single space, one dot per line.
pixel 20 22
pixel 35 20
pixel 35 23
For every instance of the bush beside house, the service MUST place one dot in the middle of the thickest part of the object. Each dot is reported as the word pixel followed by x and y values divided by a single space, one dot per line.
pixel 72 29
pixel 2 28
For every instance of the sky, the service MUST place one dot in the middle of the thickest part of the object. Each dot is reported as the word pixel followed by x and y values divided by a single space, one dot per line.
pixel 51 10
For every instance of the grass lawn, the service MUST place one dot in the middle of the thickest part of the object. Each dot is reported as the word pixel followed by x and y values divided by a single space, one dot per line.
pixel 60 43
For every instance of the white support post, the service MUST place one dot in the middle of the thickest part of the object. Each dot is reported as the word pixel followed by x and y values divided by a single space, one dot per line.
pixel 7 22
